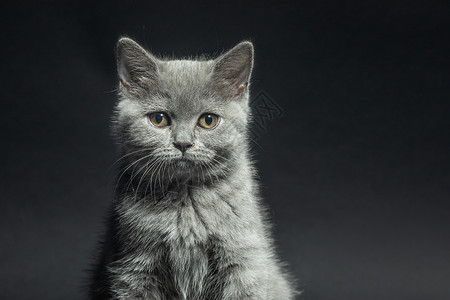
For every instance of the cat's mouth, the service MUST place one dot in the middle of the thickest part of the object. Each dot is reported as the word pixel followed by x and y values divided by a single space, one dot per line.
pixel 183 167
pixel 187 165
pixel 184 161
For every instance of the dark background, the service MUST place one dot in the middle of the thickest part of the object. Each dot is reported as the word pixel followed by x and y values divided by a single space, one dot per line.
pixel 356 173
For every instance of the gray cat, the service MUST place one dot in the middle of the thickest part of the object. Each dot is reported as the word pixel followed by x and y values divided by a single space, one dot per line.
pixel 187 221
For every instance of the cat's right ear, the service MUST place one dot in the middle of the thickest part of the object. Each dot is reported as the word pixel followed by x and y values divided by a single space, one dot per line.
pixel 136 67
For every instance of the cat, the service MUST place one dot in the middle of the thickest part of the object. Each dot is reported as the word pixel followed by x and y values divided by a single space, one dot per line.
pixel 187 221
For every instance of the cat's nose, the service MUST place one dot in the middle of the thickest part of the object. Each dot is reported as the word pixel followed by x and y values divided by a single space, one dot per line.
pixel 183 146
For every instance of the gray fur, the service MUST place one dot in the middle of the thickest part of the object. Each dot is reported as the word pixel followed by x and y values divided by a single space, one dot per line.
pixel 187 227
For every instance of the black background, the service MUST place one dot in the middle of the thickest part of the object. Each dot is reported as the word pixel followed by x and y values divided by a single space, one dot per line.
pixel 356 173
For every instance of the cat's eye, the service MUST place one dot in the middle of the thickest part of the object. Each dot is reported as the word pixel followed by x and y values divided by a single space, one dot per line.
pixel 159 119
pixel 208 121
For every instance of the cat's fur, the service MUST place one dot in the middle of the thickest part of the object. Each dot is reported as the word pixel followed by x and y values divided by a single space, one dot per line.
pixel 186 226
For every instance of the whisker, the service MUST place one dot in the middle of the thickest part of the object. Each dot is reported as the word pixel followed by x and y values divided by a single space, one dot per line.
pixel 147 170
pixel 126 155
pixel 150 182
pixel 134 174
pixel 128 167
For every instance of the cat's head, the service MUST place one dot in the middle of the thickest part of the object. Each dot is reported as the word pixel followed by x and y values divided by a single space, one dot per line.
pixel 182 118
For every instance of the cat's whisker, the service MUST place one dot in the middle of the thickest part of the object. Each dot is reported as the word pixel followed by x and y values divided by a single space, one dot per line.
pixel 209 165
pixel 218 171
pixel 151 178
pixel 225 159
pixel 220 163
pixel 125 156
pixel 202 171
pixel 151 182
pixel 158 174
pixel 198 176
pixel 147 170
pixel 167 183
pixel 217 167
pixel 134 174
pixel 208 173
pixel 128 167
pixel 172 172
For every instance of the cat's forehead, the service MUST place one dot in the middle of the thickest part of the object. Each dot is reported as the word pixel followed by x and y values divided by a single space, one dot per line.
pixel 185 82
pixel 184 73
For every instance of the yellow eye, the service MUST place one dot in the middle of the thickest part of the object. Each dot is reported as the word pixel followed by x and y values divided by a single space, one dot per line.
pixel 159 119
pixel 208 121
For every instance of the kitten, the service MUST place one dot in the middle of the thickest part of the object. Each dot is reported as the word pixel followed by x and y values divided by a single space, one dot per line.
pixel 186 222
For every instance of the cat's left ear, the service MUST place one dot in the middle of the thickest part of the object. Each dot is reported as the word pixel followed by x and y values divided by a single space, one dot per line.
pixel 232 70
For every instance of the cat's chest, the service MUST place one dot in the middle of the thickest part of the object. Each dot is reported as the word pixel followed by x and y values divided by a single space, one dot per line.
pixel 181 235
pixel 174 240
pixel 189 268
pixel 191 220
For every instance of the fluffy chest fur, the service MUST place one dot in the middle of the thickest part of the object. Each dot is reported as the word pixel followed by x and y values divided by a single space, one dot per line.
pixel 191 215
pixel 179 237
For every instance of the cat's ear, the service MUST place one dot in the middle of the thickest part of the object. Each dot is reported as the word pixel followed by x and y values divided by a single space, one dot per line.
pixel 135 66
pixel 232 70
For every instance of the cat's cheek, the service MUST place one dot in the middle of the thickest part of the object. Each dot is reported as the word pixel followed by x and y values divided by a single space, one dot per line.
pixel 159 136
